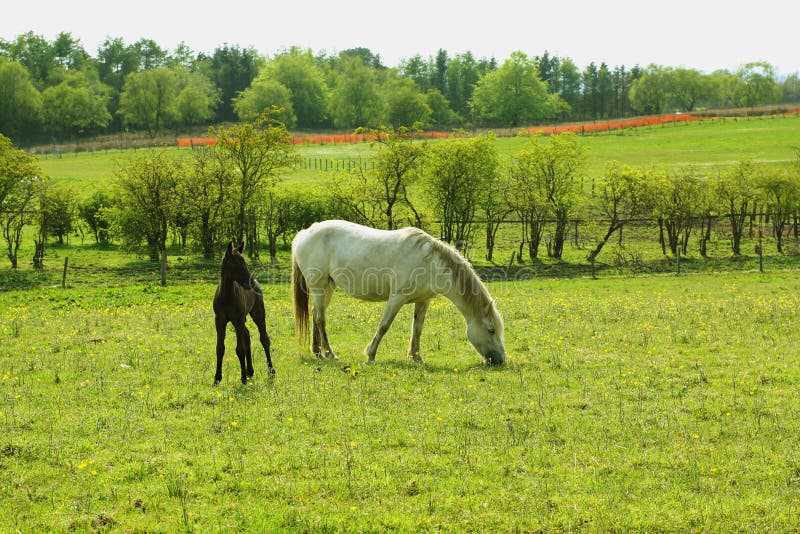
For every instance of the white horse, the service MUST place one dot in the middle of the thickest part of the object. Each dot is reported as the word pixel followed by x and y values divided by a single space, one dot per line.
pixel 399 267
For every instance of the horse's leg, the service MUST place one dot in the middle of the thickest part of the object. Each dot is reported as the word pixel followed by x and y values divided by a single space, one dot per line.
pixel 221 324
pixel 393 305
pixel 242 335
pixel 321 300
pixel 259 315
pixel 420 309
pixel 248 353
pixel 315 341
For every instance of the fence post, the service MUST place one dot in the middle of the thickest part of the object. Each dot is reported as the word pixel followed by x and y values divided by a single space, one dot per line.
pixel 164 268
pixel 64 274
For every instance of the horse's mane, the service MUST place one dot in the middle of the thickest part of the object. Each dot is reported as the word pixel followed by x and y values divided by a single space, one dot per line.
pixel 467 281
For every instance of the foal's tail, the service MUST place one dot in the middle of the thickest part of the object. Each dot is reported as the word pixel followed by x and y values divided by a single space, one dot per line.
pixel 300 297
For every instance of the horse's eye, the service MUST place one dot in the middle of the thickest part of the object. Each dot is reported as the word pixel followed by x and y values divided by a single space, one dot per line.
pixel 491 331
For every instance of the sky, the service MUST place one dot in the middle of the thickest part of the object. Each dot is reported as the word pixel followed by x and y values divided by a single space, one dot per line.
pixel 700 34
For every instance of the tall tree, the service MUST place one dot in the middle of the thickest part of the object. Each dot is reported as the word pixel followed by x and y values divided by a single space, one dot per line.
pixel 76 106
pixel 232 69
pixel 147 186
pixel 355 99
pixel 257 151
pixel 297 70
pixel 148 99
pixel 20 101
pixel 462 76
pixel 512 95
pixel 623 195
pixel 457 173
pixel 262 96
pixel 404 105
pixel 737 194
pixel 649 93
pixel 556 164
pixel 757 85
pixel 19 174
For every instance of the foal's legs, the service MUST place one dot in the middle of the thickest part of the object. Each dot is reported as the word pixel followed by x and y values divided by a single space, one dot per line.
pixel 321 299
pixel 259 316
pixel 221 324
pixel 420 309
pixel 242 344
pixel 393 305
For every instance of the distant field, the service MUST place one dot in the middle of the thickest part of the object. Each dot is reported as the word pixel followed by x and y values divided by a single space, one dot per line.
pixel 705 144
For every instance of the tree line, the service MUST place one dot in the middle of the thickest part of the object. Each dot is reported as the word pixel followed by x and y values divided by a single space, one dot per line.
pixel 459 189
pixel 56 90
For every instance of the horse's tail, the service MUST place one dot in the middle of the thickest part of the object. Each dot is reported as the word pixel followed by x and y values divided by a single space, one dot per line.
pixel 300 296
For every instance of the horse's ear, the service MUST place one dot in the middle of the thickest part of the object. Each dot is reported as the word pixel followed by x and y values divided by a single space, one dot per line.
pixel 230 248
pixel 489 306
pixel 240 248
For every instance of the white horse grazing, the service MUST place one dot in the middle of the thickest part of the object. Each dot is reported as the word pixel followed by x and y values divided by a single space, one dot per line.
pixel 399 267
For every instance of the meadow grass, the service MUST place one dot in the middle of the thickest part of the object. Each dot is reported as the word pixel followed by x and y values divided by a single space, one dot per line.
pixel 655 403
pixel 630 403
pixel 708 144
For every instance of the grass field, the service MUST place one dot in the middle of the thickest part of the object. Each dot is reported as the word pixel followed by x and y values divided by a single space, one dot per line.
pixel 653 404
pixel 707 144
pixel 639 401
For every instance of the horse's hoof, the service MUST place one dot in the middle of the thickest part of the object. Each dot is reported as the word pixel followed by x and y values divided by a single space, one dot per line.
pixel 271 372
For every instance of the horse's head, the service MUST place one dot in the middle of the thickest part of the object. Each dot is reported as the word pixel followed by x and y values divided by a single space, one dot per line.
pixel 485 332
pixel 234 267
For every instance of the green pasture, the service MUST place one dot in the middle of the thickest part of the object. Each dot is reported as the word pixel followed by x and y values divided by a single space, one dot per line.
pixel 707 144
pixel 637 401
pixel 656 403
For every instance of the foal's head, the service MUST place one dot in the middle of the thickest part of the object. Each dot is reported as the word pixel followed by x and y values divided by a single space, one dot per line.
pixel 234 267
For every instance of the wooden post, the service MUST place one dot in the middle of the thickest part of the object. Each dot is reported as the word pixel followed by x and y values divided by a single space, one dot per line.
pixel 760 252
pixel 64 274
pixel 164 268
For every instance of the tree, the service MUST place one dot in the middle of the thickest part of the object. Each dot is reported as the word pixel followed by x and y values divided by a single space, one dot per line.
pixel 355 100
pixel 296 70
pixel 20 101
pixel 376 196
pixel 555 164
pixel 442 116
pixel 757 85
pixel 458 172
pixel 649 93
pixel 36 54
pixel 232 70
pixel 19 174
pixel 737 194
pixel 677 205
pixel 688 87
pixel 204 190
pixel 462 76
pixel 512 95
pixel 525 196
pixel 196 100
pixel 623 195
pixel 148 99
pixel 404 105
pixel 147 190
pixel 256 150
pixel 75 106
pixel 262 96
pixel 781 190
pixel 94 210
